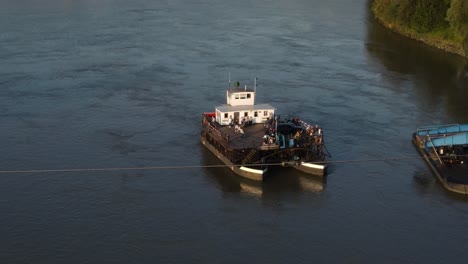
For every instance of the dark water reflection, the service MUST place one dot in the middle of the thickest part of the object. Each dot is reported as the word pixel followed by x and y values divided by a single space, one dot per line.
pixel 280 180
pixel 114 83
pixel 440 78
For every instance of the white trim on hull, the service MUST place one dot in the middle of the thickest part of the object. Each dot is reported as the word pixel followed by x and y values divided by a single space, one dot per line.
pixel 253 170
pixel 312 168
pixel 248 173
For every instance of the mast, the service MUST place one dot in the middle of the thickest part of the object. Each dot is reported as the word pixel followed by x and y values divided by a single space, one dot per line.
pixel 255 84
pixel 276 127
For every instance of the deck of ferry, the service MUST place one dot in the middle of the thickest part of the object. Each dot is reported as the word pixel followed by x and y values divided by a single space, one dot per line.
pixel 251 138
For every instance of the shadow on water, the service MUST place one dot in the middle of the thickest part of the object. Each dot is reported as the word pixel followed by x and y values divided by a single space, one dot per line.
pixel 440 78
pixel 424 181
pixel 427 184
pixel 280 180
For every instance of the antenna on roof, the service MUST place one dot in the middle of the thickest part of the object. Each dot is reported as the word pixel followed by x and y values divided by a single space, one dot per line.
pixel 229 84
pixel 255 84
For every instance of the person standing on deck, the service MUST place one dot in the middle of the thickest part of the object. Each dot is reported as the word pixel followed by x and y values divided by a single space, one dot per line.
pixel 320 135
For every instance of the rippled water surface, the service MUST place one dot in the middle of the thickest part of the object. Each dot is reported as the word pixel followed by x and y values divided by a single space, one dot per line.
pixel 113 83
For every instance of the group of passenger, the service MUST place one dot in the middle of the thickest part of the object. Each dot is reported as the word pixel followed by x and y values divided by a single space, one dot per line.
pixel 241 123
pixel 268 139
pixel 315 132
pixel 270 127
pixel 296 121
pixel 310 132
pixel 238 129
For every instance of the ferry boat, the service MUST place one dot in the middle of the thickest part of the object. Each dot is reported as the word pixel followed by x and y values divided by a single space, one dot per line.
pixel 251 138
pixel 445 149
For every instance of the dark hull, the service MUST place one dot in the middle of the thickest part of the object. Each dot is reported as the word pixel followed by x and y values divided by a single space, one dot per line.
pixel 444 174
pixel 255 174
pixel 246 153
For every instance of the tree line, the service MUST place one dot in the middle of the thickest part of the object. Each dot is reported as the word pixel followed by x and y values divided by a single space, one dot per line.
pixel 447 19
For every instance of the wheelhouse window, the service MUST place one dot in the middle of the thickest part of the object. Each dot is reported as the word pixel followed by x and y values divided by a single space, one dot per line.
pixel 265 113
pixel 242 96
pixel 248 96
pixel 255 114
pixel 237 96
pixel 225 115
pixel 246 114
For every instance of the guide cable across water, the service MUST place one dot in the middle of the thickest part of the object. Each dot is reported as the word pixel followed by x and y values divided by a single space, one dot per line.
pixel 200 166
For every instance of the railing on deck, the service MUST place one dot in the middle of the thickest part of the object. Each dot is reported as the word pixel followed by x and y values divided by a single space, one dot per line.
pixel 442 129
pixel 207 125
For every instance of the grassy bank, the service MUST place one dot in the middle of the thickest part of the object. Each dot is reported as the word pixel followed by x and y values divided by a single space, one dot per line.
pixel 439 23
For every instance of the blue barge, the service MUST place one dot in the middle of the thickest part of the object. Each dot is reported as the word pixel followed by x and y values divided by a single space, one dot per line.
pixel 445 149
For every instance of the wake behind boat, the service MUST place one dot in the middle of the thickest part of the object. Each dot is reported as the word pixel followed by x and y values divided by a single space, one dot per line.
pixel 249 138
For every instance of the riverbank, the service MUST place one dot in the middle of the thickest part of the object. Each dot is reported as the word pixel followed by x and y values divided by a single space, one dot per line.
pixel 437 38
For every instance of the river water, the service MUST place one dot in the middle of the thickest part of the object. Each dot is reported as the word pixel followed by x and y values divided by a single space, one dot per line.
pixel 114 83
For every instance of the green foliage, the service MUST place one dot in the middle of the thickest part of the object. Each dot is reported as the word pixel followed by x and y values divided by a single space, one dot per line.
pixel 429 15
pixel 388 9
pixel 445 20
pixel 406 9
pixel 420 15
pixel 457 16
pixel 465 44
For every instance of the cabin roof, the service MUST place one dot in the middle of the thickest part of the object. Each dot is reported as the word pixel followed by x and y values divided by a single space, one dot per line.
pixel 240 90
pixel 238 108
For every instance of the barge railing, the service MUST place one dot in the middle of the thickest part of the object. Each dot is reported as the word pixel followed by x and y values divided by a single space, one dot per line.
pixel 450 140
pixel 435 151
pixel 442 129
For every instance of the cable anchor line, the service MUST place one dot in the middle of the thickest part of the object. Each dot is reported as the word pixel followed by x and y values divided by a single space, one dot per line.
pixel 201 166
